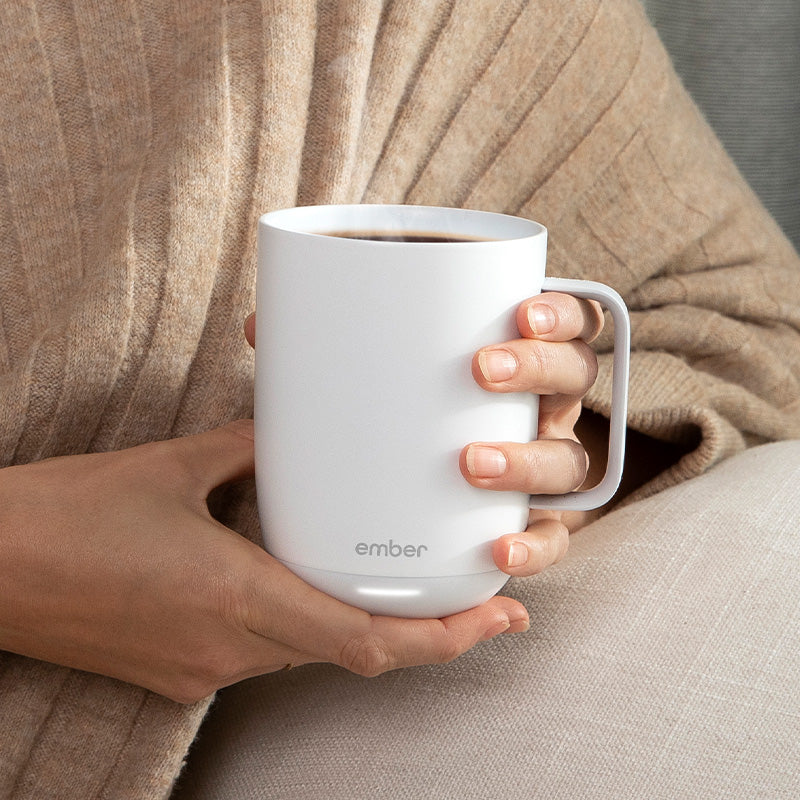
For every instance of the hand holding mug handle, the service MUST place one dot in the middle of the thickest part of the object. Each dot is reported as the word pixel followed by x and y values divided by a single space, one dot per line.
pixel 599 495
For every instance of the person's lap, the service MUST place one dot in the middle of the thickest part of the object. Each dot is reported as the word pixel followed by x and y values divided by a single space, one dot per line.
pixel 663 661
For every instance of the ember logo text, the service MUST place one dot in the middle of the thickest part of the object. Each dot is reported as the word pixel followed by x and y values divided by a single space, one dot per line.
pixel 390 549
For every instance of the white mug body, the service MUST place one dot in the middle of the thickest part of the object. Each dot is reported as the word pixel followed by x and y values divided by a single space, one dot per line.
pixel 364 399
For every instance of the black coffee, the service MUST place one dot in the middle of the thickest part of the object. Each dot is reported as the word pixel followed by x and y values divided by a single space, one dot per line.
pixel 407 236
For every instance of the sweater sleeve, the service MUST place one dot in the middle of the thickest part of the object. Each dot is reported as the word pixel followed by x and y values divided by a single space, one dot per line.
pixel 712 284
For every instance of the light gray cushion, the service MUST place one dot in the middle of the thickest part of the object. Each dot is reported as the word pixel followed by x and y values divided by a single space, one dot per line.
pixel 741 62
pixel 663 662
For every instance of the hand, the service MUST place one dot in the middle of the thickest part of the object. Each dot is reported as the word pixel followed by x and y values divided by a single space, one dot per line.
pixel 112 563
pixel 553 360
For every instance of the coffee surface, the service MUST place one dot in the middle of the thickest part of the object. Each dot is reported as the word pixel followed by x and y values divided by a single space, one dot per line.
pixel 419 237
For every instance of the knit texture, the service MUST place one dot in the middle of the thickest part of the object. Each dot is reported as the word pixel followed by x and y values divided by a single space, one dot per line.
pixel 139 143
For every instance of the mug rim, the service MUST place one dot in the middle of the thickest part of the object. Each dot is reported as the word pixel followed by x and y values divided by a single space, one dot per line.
pixel 328 219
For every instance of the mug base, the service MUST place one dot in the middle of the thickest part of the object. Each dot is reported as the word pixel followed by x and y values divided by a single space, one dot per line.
pixel 414 598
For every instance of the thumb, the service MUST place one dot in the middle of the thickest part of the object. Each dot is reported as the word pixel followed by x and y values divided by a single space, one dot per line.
pixel 217 456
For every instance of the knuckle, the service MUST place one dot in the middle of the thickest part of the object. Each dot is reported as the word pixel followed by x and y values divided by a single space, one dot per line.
pixel 202 666
pixel 216 666
pixel 539 558
pixel 367 655
pixel 187 691
pixel 536 458
pixel 596 321
pixel 572 413
pixel 540 362
pixel 557 543
pixel 209 669
pixel 554 547
pixel 588 365
pixel 577 466
pixel 558 416
pixel 547 547
pixel 561 544
pixel 449 650
pixel 163 463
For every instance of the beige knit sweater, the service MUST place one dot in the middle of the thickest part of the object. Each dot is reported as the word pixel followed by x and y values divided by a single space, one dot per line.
pixel 139 142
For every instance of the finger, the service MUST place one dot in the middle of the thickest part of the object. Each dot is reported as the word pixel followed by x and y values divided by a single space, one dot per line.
pixel 390 643
pixel 544 543
pixel 250 330
pixel 214 457
pixel 558 416
pixel 551 466
pixel 557 317
pixel 526 365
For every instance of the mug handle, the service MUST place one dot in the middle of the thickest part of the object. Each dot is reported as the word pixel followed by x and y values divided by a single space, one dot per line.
pixel 604 491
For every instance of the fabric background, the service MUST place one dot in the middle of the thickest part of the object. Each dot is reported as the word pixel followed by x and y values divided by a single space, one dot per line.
pixel 741 62
pixel 662 662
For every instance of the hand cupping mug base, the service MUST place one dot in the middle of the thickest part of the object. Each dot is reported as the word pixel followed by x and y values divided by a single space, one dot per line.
pixel 364 398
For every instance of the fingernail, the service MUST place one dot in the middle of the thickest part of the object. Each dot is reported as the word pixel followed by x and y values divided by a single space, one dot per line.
pixel 497 365
pixel 519 626
pixel 517 554
pixel 497 628
pixel 541 318
pixel 485 462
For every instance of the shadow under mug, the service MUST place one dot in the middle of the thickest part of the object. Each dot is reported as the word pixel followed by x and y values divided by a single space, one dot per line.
pixel 364 398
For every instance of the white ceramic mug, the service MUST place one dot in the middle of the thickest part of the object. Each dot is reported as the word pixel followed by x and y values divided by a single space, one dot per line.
pixel 364 399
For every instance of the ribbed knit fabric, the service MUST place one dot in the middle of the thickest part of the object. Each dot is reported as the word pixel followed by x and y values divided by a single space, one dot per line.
pixel 140 141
